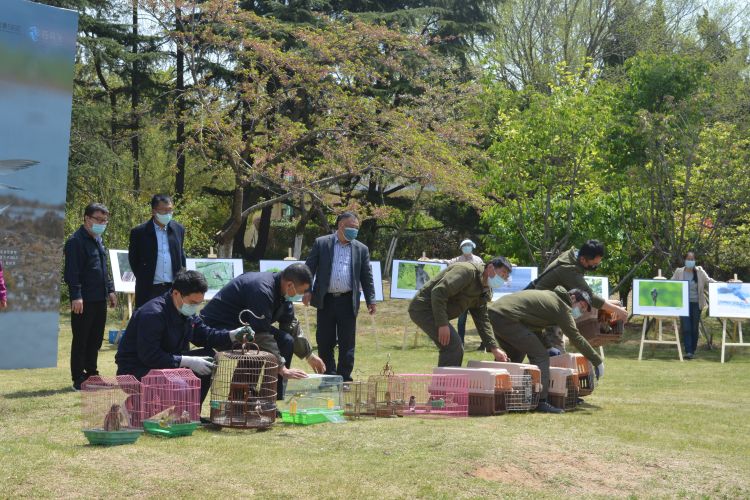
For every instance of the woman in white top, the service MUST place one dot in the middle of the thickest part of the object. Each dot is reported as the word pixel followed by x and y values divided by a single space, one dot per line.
pixel 467 255
pixel 698 281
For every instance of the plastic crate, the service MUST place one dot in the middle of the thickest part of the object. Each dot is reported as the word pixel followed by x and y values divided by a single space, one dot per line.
pixel 313 392
pixel 516 400
pixel 312 416
pixel 601 329
pixel 582 366
pixel 563 388
pixel 487 388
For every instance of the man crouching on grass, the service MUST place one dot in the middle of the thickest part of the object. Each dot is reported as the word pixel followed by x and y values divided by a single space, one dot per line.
pixel 514 316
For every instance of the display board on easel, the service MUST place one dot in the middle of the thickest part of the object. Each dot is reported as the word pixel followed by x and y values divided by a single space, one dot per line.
pixel 218 272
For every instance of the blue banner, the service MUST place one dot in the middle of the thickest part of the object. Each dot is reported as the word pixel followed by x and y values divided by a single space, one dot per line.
pixel 37 55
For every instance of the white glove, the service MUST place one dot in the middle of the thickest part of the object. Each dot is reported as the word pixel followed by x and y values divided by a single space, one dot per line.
pixel 201 366
pixel 599 371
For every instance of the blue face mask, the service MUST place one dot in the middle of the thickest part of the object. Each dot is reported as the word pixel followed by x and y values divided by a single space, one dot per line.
pixel 350 233
pixel 576 312
pixel 189 309
pixel 293 298
pixel 467 249
pixel 98 229
pixel 690 264
pixel 163 219
pixel 496 281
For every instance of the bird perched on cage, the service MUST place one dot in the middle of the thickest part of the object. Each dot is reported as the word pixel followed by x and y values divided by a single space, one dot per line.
pixel 654 295
pixel 412 404
pixel 115 419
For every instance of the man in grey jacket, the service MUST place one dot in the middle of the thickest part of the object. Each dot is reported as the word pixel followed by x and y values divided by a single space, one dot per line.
pixel 340 264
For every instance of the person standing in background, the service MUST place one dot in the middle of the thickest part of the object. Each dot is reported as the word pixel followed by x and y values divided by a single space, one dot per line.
pixel 340 264
pixel 155 251
pixel 698 281
pixel 467 255
pixel 3 290
pixel 89 286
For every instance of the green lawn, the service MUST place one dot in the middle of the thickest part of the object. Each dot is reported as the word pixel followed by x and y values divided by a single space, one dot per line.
pixel 652 428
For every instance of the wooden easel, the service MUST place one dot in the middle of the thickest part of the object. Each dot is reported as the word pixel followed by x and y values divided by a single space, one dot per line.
pixel 737 322
pixel 659 321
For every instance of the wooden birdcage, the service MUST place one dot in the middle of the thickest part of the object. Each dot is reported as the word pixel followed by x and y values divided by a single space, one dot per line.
pixel 354 399
pixel 385 393
pixel 243 389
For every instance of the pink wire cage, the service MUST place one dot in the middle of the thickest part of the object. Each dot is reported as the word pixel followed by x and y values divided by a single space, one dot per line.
pixel 111 403
pixel 178 389
pixel 436 395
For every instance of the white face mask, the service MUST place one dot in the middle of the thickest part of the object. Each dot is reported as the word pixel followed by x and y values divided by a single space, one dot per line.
pixel 576 312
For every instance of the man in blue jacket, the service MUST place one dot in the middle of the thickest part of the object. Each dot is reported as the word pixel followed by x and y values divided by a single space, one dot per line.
pixel 155 251
pixel 269 298
pixel 90 287
pixel 160 333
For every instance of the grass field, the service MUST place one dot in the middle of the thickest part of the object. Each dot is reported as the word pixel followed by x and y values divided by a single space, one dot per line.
pixel 655 428
pixel 666 294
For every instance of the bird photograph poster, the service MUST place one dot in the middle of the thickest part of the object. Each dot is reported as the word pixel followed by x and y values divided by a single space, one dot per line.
pixel 218 272
pixel 660 298
pixel 411 275
pixel 599 285
pixel 729 300
pixel 37 52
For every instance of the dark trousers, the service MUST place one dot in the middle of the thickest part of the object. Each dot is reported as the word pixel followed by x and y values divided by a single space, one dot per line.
pixel 153 292
pixel 689 326
pixel 88 334
pixel 451 354
pixel 462 325
pixel 285 341
pixel 337 324
pixel 518 341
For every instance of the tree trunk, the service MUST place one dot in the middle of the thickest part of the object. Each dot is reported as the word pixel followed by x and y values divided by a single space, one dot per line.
pixel 134 102
pixel 179 184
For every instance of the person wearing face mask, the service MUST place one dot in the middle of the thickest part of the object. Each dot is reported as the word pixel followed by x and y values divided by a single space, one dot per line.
pixel 155 251
pixel 270 298
pixel 517 320
pixel 698 281
pixel 567 271
pixel 160 333
pixel 467 255
pixel 341 266
pixel 464 286
pixel 90 288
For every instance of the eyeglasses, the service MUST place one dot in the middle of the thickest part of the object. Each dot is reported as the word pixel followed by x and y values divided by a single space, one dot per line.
pixel 100 220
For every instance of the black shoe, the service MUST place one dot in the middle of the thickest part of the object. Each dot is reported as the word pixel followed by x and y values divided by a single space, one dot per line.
pixel 689 355
pixel 76 386
pixel 579 401
pixel 545 407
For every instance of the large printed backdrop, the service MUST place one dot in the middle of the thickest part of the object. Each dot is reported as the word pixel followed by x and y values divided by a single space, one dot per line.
pixel 37 52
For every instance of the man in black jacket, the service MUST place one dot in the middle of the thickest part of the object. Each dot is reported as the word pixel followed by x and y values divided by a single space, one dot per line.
pixel 155 251
pixel 90 287
pixel 340 265
pixel 268 297
pixel 160 333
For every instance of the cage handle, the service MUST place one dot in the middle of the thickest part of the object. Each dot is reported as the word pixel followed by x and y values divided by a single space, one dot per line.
pixel 247 346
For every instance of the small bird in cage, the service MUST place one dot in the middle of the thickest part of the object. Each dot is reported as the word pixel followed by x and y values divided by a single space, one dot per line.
pixel 412 404
pixel 115 419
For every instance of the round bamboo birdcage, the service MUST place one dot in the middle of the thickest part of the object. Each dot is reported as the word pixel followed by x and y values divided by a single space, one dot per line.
pixel 243 389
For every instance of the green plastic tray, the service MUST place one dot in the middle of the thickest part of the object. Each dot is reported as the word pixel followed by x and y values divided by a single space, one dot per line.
pixel 311 416
pixel 112 438
pixel 174 430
